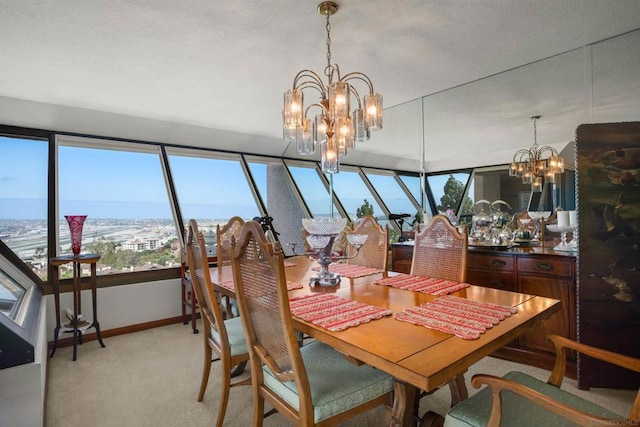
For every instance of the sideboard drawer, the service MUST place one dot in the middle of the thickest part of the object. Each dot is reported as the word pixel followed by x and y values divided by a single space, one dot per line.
pixel 491 262
pixel 402 252
pixel 503 281
pixel 556 266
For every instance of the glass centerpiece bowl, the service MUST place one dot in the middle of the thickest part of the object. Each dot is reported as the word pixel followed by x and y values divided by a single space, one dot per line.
pixel 322 233
pixel 538 218
pixel 563 230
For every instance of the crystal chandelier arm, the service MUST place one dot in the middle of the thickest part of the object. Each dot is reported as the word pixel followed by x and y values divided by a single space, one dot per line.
pixel 519 156
pixel 314 80
pixel 544 149
pixel 311 84
pixel 317 104
pixel 356 94
pixel 356 75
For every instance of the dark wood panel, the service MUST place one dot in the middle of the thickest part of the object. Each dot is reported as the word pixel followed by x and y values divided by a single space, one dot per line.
pixel 504 281
pixel 560 322
pixel 491 261
pixel 609 232
pixel 556 266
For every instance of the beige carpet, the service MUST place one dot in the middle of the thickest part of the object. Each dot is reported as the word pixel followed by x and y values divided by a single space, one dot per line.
pixel 151 378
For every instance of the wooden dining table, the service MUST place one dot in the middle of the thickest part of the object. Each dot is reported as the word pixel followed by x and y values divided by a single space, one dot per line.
pixel 417 357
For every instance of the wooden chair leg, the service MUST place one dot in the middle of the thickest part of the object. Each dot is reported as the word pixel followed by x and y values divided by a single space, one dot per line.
pixel 206 369
pixel 258 410
pixel 226 386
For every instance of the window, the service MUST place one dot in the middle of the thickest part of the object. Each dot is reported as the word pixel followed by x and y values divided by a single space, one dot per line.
pixel 16 292
pixel 448 192
pixel 353 193
pixel 11 293
pixel 23 199
pixel 121 188
pixel 391 192
pixel 314 191
pixel 281 201
pixel 413 185
pixel 211 189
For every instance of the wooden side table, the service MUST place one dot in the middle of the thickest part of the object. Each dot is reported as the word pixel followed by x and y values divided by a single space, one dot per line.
pixel 77 328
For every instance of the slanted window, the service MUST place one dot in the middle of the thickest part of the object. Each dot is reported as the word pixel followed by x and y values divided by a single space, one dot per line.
pixel 211 188
pixel 121 188
pixel 23 199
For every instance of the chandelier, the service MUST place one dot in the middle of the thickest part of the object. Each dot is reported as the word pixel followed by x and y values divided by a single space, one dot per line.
pixel 532 167
pixel 335 128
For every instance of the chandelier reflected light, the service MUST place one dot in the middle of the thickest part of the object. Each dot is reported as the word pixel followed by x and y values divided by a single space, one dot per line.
pixel 532 167
pixel 335 127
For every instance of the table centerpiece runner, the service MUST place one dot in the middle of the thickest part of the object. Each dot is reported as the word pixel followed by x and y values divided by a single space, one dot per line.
pixel 334 313
pixel 351 271
pixel 428 285
pixel 461 317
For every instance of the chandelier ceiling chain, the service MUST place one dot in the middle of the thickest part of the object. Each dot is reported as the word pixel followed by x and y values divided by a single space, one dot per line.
pixel 335 127
pixel 328 27
pixel 532 167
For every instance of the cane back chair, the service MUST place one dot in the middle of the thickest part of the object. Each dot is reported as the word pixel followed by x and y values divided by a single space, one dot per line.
pixel 312 385
pixel 374 253
pixel 225 338
pixel 440 250
pixel 518 399
pixel 224 236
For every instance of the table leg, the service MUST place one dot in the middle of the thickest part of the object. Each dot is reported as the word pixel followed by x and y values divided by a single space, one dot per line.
pixel 94 298
pixel 404 401
pixel 458 389
pixel 76 306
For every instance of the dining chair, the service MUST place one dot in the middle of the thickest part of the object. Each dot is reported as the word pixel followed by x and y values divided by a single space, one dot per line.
pixel 223 337
pixel 440 250
pixel 224 235
pixel 313 385
pixel 374 253
pixel 519 399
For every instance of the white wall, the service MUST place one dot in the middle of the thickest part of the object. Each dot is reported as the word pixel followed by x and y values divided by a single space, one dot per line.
pixel 22 387
pixel 126 305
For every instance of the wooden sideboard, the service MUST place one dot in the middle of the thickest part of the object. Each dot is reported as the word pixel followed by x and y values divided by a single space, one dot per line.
pixel 532 270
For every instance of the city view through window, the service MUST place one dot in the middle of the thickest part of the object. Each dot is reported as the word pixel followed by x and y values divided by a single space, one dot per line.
pixel 123 190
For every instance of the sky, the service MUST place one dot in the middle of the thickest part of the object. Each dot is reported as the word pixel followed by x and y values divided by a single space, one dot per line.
pixel 105 183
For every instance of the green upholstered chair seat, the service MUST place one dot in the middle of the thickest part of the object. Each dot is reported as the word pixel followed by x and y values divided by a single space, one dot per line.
pixel 336 384
pixel 517 411
pixel 235 333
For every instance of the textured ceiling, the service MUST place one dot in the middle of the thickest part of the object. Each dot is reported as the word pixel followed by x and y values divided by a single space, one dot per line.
pixel 225 65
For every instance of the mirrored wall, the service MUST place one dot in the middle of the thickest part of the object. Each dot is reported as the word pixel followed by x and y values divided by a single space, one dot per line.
pixel 481 124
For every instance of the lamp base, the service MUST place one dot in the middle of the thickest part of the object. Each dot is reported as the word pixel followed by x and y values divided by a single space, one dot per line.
pixel 325 279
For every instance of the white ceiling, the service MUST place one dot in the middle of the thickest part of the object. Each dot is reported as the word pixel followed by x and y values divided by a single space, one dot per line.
pixel 224 65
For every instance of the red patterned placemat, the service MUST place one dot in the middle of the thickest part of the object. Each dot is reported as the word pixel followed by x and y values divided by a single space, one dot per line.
pixel 427 285
pixel 458 316
pixel 333 312
pixel 228 284
pixel 351 270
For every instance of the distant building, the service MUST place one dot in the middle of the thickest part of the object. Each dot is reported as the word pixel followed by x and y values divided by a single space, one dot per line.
pixel 138 245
